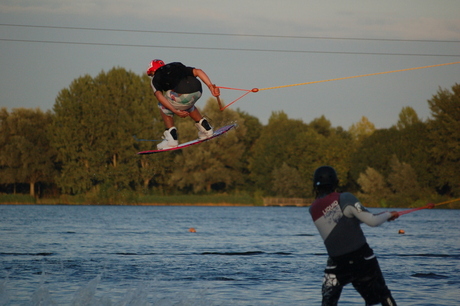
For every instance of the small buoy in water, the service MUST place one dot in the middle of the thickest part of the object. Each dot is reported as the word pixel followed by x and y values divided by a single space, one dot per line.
pixel 192 230
pixel 401 231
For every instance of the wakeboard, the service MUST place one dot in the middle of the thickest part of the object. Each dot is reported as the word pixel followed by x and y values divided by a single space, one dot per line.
pixel 217 133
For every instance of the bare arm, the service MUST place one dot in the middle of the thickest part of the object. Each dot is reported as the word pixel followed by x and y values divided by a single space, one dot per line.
pixel 167 104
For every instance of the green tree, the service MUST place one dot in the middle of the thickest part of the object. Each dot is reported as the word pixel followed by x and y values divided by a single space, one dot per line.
pixel 26 155
pixel 376 151
pixel 411 147
pixel 409 142
pixel 362 129
pixel 309 145
pixel 212 165
pixel 287 182
pixel 325 146
pixel 407 117
pixel 154 170
pixel 403 182
pixel 277 143
pixel 302 147
pixel 95 120
pixel 444 133
pixel 253 132
pixel 401 187
pixel 374 187
pixel 322 126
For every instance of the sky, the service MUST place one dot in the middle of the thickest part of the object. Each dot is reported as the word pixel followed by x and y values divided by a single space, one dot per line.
pixel 47 44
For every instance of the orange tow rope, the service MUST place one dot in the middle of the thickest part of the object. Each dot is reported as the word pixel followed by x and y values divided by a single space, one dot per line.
pixel 429 206
pixel 247 91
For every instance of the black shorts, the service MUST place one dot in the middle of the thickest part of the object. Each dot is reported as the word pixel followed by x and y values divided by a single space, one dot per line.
pixel 362 270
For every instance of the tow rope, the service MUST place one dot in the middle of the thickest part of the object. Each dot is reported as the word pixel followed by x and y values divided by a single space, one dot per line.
pixel 247 91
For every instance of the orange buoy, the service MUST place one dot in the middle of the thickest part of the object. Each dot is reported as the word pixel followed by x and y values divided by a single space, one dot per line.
pixel 401 231
pixel 192 230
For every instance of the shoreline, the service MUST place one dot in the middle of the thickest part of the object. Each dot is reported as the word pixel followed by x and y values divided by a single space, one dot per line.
pixel 134 204
pixel 193 204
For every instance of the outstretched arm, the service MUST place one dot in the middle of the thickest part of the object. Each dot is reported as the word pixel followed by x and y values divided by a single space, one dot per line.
pixel 367 217
pixel 204 77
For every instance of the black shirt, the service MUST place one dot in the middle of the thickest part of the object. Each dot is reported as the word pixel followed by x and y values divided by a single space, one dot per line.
pixel 176 76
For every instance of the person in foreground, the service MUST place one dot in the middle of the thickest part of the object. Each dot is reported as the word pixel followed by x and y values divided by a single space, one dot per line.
pixel 177 89
pixel 337 217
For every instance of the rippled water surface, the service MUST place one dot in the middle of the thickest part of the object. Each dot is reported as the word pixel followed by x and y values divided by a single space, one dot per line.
pixel 146 255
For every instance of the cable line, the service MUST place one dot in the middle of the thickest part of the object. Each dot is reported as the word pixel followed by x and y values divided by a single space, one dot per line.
pixel 228 34
pixel 223 49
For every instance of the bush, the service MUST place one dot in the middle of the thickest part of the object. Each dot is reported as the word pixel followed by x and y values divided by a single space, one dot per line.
pixel 17 199
pixel 198 199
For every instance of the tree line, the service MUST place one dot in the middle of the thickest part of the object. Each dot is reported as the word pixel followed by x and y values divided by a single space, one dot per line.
pixel 86 146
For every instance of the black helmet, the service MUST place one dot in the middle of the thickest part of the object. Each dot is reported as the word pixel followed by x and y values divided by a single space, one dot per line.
pixel 325 175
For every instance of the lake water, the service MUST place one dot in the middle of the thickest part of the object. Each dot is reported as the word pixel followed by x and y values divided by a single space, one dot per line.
pixel 145 255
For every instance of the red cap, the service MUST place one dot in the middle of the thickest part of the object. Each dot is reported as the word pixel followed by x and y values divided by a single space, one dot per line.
pixel 154 65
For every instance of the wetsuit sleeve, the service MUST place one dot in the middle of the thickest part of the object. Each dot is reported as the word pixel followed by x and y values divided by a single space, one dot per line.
pixel 365 216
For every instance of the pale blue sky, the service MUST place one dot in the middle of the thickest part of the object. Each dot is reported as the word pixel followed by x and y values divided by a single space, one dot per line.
pixel 33 73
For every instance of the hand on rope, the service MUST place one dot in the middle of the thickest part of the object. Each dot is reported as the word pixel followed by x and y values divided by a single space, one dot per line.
pixel 216 93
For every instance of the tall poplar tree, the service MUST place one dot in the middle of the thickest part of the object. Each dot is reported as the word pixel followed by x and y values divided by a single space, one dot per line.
pixel 26 155
pixel 445 136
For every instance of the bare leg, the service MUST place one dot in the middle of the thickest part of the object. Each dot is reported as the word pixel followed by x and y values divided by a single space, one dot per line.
pixel 168 120
pixel 195 115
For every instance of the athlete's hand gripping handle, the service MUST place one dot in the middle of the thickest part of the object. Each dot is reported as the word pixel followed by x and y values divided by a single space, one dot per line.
pixel 394 216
